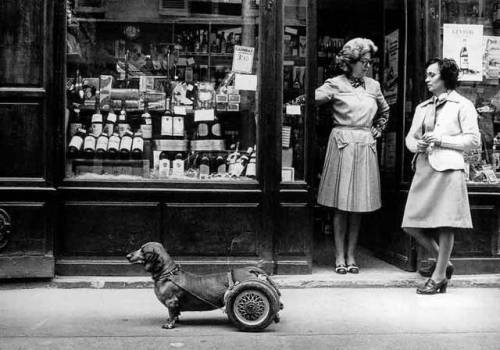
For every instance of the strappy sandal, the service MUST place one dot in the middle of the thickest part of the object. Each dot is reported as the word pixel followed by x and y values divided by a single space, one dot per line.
pixel 353 268
pixel 341 269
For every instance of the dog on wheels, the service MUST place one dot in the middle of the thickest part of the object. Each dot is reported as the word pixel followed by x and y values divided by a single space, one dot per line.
pixel 251 299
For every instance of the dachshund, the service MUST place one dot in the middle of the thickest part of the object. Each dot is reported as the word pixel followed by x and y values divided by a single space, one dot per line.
pixel 183 291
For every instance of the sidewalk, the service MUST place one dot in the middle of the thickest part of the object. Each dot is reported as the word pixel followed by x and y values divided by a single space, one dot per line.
pixel 374 273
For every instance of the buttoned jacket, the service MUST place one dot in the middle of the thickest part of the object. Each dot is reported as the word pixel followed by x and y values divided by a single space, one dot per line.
pixel 456 126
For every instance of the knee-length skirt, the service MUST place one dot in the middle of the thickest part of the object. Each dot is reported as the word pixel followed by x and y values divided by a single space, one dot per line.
pixel 351 180
pixel 437 198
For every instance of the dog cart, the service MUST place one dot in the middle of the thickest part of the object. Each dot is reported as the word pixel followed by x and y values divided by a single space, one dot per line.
pixel 251 305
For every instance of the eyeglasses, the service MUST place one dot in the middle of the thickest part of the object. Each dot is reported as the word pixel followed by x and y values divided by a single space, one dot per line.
pixel 366 61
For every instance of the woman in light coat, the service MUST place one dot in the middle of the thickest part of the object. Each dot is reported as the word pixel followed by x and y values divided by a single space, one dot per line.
pixel 443 127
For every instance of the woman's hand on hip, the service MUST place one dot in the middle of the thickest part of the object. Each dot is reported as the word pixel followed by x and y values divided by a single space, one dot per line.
pixel 376 132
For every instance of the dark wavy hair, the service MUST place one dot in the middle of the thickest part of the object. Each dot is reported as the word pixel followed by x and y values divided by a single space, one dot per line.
pixel 448 71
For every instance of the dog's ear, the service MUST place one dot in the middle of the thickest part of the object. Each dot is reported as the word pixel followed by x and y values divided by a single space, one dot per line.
pixel 152 261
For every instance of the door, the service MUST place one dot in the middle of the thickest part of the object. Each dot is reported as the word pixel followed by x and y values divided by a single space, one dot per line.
pixel 27 134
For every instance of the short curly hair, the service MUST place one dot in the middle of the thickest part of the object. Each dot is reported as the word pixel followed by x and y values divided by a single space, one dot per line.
pixel 448 71
pixel 352 52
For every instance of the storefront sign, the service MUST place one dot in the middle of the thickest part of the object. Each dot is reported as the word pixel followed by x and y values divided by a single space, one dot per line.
pixel 491 60
pixel 464 43
pixel 391 54
pixel 243 59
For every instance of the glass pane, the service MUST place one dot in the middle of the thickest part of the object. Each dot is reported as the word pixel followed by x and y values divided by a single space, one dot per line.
pixel 479 75
pixel 294 74
pixel 162 90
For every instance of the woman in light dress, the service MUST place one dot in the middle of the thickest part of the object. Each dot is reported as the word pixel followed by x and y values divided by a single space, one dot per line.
pixel 350 182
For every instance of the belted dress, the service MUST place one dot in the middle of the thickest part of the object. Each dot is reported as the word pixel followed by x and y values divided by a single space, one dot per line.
pixel 350 180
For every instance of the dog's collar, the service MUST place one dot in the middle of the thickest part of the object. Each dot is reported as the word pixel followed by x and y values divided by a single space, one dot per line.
pixel 166 275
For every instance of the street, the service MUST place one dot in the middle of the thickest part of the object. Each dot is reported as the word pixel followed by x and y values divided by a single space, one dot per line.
pixel 315 318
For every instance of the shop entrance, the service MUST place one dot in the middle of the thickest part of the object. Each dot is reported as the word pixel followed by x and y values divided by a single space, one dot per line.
pixel 384 22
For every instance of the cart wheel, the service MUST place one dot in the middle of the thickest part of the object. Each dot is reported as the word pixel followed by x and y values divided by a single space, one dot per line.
pixel 252 306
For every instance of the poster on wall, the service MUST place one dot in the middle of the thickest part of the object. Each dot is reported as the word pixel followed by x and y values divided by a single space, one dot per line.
pixel 391 54
pixel 491 58
pixel 464 43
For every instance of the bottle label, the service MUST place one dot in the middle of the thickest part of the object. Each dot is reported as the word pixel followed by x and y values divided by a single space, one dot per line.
pixel 204 171
pixel 147 131
pixel 111 118
pixel 216 130
pixel 89 142
pixel 97 118
pixel 164 168
pixel 178 168
pixel 166 125
pixel 122 127
pixel 202 130
pixel 102 143
pixel 178 127
pixel 110 129
pixel 138 143
pixel 96 128
pixel 73 127
pixel 251 169
pixel 76 141
pixel 126 143
pixel 114 143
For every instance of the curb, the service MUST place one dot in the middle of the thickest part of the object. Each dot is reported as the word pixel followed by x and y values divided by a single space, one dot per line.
pixel 283 282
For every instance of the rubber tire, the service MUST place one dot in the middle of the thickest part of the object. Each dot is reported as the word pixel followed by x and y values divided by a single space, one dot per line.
pixel 267 291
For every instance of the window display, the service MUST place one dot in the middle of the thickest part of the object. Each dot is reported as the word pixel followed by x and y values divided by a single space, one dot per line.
pixel 159 96
pixel 463 22
pixel 294 74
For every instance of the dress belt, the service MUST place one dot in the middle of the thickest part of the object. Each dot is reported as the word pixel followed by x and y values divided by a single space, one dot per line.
pixel 352 127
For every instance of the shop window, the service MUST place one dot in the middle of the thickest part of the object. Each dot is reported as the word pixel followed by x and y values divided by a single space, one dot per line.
pixel 161 90
pixel 294 77
pixel 470 33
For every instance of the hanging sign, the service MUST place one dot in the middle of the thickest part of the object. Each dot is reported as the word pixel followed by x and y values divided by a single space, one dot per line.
pixel 243 59
pixel 491 58
pixel 391 54
pixel 464 43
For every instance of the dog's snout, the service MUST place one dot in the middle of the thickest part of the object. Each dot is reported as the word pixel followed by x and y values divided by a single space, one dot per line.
pixel 129 256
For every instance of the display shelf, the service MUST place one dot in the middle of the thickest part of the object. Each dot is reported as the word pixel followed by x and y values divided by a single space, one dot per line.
pixel 112 167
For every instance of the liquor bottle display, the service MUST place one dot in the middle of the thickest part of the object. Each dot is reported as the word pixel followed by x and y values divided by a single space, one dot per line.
pixel 150 110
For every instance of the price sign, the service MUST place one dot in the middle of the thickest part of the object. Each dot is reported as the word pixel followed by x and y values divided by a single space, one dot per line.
pixel 243 59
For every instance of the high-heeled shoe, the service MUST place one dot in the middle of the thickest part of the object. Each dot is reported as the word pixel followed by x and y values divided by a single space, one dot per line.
pixel 429 270
pixel 433 287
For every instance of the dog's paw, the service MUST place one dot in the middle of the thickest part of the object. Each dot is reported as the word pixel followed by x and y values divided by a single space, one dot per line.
pixel 168 325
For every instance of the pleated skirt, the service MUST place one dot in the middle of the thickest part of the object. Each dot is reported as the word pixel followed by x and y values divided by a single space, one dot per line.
pixel 351 179
pixel 437 198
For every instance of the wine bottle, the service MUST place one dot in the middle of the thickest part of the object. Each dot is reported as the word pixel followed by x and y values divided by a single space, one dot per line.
pixel 76 143
pixel 126 144
pixel 221 165
pixel 102 145
pixel 89 145
pixel 178 166
pixel 164 166
pixel 146 123
pixel 204 167
pixel 97 120
pixel 137 145
pixel 113 145
pixel 252 164
pixel 75 121
pixel 166 128
pixel 111 122
pixel 123 125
